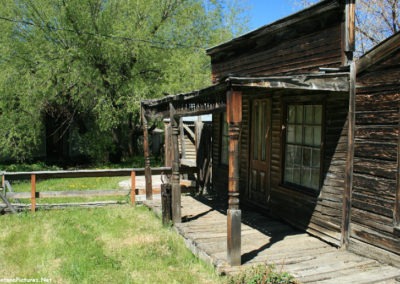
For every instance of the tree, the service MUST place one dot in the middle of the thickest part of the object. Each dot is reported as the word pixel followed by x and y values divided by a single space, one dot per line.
pixel 85 65
pixel 376 20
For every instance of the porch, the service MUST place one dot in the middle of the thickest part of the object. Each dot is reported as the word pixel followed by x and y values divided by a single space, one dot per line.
pixel 267 240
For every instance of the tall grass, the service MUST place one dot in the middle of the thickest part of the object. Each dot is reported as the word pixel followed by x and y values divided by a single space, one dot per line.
pixel 120 244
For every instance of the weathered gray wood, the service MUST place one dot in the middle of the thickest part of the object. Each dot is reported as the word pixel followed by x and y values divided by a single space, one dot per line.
pixel 265 240
pixel 347 193
pixel 22 207
pixel 175 183
pixel 9 205
pixel 146 151
pixel 234 237
pixel 82 173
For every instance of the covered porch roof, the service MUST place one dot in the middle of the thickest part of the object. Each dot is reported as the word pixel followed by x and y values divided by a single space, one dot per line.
pixel 213 98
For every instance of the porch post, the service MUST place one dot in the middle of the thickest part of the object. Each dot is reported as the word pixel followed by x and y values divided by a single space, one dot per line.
pixel 147 168
pixel 234 119
pixel 175 183
pixel 348 183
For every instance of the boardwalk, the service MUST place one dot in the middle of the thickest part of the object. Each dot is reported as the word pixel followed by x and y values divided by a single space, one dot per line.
pixel 265 240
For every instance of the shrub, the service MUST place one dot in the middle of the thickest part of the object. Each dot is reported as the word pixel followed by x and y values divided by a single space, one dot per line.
pixel 262 274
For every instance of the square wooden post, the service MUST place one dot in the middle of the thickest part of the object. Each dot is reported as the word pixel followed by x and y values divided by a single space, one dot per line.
pixel 146 151
pixel 175 182
pixel 33 193
pixel 133 188
pixel 234 119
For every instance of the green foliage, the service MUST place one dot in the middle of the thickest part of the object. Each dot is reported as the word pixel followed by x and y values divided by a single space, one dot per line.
pixel 85 65
pixel 262 274
pixel 105 245
pixel 22 167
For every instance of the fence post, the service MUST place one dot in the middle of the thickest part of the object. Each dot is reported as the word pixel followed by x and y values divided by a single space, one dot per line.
pixel 133 187
pixel 3 181
pixel 33 192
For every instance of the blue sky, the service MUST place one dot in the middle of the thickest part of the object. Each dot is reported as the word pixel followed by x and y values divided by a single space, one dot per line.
pixel 263 12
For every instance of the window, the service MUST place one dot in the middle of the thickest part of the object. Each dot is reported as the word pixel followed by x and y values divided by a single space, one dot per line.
pixel 224 140
pixel 303 146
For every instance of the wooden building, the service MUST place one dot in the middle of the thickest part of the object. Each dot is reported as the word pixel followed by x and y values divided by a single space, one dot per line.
pixel 296 135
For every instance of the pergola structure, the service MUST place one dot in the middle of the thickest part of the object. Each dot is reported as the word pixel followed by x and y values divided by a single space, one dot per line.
pixel 227 96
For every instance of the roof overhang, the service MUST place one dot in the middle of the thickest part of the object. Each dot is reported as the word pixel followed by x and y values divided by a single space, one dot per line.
pixel 213 98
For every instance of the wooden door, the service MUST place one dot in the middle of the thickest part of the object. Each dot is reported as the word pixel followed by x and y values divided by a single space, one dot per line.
pixel 259 187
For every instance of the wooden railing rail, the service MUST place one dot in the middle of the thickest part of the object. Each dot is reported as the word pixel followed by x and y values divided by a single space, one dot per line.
pixel 133 172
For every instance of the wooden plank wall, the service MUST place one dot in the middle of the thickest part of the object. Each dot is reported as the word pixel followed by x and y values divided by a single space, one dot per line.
pixel 298 55
pixel 319 215
pixel 219 172
pixel 372 229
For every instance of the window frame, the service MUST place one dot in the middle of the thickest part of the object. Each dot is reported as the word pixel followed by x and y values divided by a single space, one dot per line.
pixel 285 124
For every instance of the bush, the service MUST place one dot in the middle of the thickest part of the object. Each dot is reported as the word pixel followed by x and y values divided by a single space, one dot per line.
pixel 262 274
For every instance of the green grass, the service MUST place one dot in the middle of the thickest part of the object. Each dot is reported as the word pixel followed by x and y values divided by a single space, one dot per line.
pixel 121 244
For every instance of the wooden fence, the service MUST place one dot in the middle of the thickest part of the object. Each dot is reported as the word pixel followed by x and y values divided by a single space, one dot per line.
pixel 34 194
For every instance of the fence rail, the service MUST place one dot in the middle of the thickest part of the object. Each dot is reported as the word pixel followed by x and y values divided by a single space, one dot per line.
pixel 34 194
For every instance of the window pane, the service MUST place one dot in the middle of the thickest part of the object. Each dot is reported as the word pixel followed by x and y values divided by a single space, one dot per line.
pixel 308 114
pixel 297 175
pixel 306 157
pixel 316 158
pixel 308 136
pixel 303 138
pixel 317 136
pixel 306 177
pixel 290 134
pixel 289 174
pixel 291 114
pixel 290 156
pixel 299 114
pixel 299 134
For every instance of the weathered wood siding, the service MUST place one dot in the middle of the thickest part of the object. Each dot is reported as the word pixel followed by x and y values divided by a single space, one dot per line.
pixel 219 172
pixel 299 55
pixel 375 179
pixel 318 214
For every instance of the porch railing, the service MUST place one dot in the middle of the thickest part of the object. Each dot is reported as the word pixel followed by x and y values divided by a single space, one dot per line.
pixel 7 192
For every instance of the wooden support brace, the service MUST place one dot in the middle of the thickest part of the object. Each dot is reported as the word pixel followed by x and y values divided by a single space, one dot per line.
pixel 33 193
pixel 133 187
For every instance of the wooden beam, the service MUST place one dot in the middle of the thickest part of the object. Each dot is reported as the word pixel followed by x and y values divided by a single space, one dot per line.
pixel 83 173
pixel 234 119
pixel 68 193
pixel 146 151
pixel 175 182
pixel 347 193
pixel 335 82
pixel 350 42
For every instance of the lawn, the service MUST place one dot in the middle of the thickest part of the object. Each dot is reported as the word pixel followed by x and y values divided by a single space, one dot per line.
pixel 119 244
pixel 68 184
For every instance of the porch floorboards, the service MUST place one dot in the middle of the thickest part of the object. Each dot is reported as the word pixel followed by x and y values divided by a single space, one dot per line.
pixel 266 240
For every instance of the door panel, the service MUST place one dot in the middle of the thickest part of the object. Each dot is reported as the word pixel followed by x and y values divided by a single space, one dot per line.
pixel 260 151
